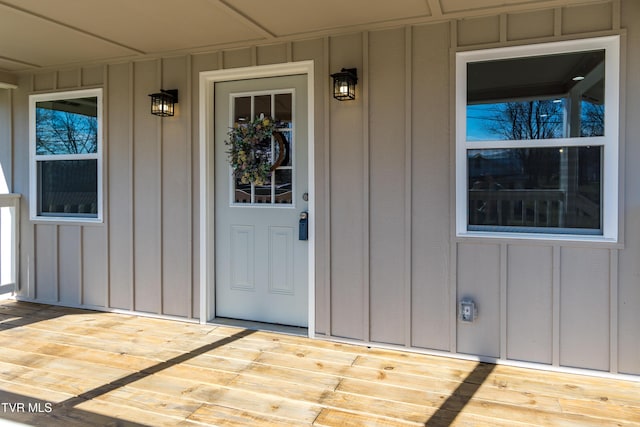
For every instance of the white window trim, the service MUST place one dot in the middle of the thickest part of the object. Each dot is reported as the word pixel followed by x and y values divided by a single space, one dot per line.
pixel 33 158
pixel 611 45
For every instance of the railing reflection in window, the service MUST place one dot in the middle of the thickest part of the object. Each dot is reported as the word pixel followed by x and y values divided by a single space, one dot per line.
pixel 68 187
pixel 535 188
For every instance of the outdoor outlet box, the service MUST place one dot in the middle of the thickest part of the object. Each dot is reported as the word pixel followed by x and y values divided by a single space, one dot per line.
pixel 467 311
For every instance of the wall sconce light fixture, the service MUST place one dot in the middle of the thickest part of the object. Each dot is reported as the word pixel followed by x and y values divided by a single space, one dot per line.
pixel 163 102
pixel 344 84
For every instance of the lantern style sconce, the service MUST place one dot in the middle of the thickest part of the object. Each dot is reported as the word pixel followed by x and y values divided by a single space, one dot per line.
pixel 163 102
pixel 344 84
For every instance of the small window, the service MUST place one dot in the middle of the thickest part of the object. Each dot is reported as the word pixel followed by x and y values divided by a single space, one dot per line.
pixel 537 141
pixel 66 151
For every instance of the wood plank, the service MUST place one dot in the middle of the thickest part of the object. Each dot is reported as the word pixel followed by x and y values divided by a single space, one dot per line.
pixel 367 405
pixel 116 369
pixel 29 390
pixel 46 380
pixel 127 413
pixel 333 418
pixel 472 403
pixel 268 406
pixel 75 368
pixel 100 357
pixel 222 416
pixel 177 407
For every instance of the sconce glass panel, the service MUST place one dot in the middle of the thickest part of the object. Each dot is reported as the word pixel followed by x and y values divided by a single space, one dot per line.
pixel 344 84
pixel 163 103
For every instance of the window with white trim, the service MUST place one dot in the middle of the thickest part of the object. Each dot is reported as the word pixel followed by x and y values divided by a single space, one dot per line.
pixel 66 155
pixel 537 141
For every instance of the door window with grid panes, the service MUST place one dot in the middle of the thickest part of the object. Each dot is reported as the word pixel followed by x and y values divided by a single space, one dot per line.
pixel 278 190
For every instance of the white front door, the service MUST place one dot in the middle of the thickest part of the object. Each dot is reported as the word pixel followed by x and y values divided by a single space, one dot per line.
pixel 261 264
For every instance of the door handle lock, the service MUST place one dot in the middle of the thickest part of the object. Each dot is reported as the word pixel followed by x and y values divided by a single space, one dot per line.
pixel 303 226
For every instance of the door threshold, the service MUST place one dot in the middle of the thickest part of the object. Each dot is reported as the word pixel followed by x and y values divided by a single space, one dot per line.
pixel 261 326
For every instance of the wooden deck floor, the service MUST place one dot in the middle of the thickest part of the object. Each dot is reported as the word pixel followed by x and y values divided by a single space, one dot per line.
pixel 66 367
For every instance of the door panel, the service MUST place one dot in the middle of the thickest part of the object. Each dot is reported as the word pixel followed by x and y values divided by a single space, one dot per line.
pixel 261 266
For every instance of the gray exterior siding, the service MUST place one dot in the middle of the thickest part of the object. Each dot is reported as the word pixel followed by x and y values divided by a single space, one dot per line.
pixel 389 268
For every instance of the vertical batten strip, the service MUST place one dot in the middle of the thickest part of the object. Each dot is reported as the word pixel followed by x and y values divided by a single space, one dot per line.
pixel 327 185
pixel 504 248
pixel 105 181
pixel 32 279
pixel 555 345
pixel 187 108
pixel 132 240
pixel 503 28
pixel 408 183
pixel 613 311
pixel 453 248
pixel 615 24
pixel 160 201
pixel 56 256
pixel 81 244
pixel 366 228
pixel 289 48
pixel 557 22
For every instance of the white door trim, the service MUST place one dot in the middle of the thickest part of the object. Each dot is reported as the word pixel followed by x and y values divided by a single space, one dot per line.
pixel 208 79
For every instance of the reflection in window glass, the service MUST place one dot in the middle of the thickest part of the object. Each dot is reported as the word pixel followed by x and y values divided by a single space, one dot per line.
pixel 285 147
pixel 283 109
pixel 283 186
pixel 69 187
pixel 65 140
pixel 278 188
pixel 262 105
pixel 67 126
pixel 535 188
pixel 540 97
pixel 242 109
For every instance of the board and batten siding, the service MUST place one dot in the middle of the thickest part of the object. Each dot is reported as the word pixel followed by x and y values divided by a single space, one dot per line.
pixel 389 269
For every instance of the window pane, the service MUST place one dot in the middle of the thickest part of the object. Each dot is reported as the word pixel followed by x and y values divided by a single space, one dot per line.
pixel 283 109
pixel 263 192
pixel 67 126
pixel 242 192
pixel 68 188
pixel 242 109
pixel 540 97
pixel 282 148
pixel 263 105
pixel 535 188
pixel 283 186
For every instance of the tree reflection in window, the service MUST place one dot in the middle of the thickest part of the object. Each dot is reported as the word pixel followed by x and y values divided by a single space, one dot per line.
pixel 536 181
pixel 67 126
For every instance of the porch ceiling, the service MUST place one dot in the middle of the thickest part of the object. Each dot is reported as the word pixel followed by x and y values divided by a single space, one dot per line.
pixel 36 34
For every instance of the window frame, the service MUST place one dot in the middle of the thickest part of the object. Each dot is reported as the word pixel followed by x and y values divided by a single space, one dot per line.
pixel 34 158
pixel 609 142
